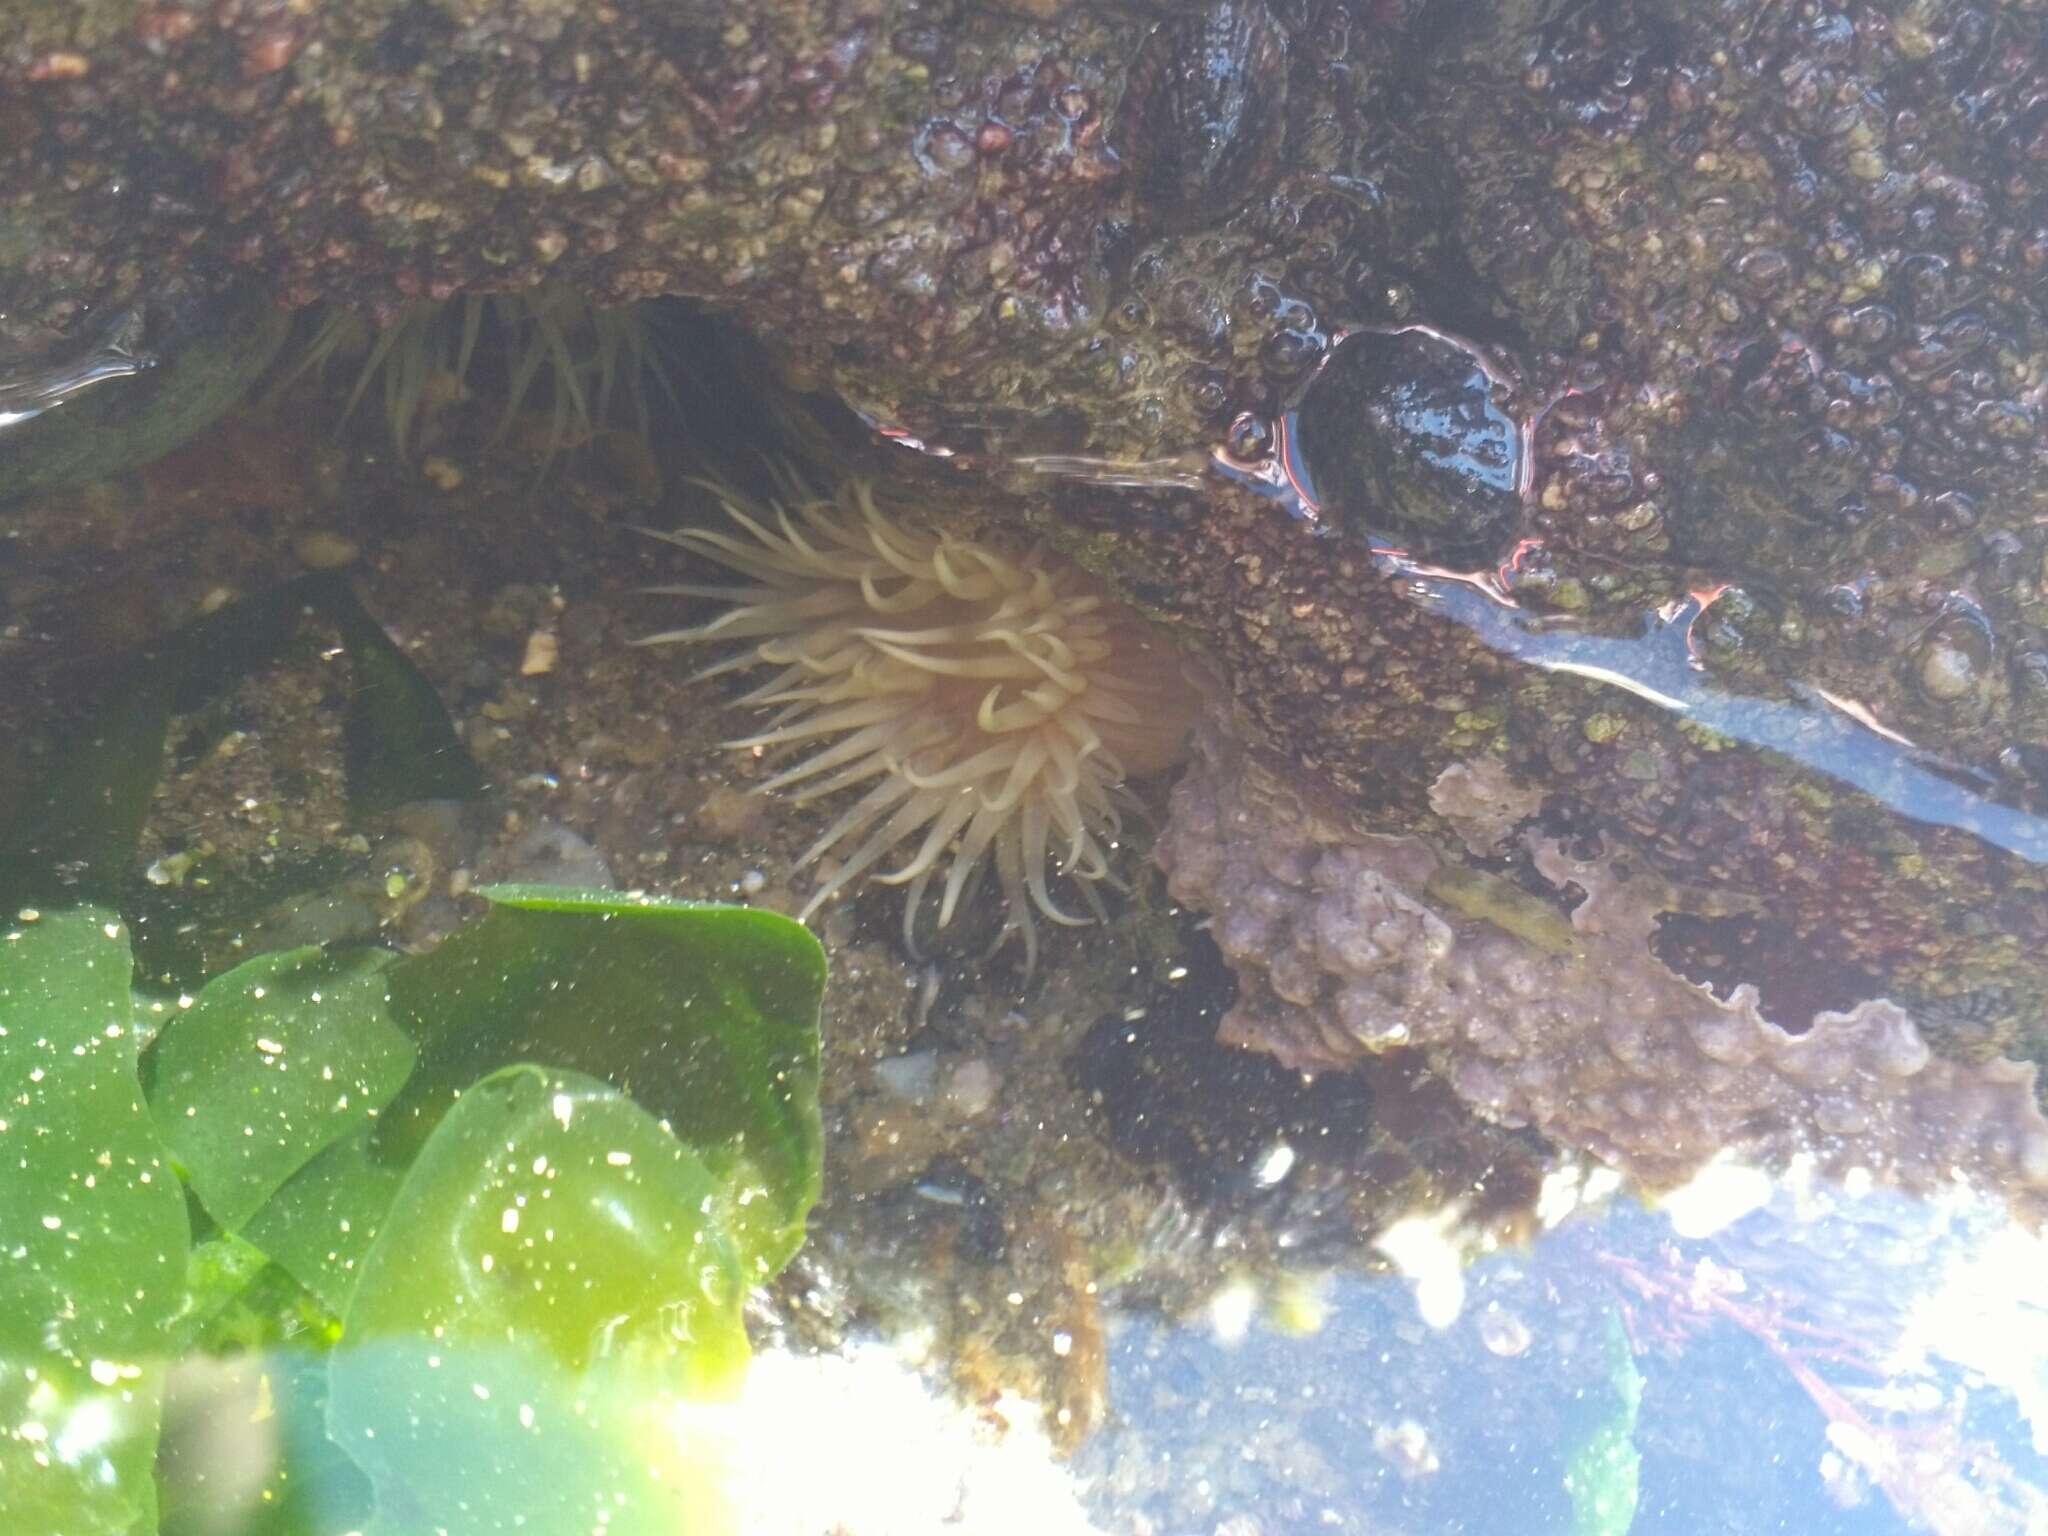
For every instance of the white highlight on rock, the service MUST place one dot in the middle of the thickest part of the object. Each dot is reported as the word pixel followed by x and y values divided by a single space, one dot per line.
pixel 1425 1251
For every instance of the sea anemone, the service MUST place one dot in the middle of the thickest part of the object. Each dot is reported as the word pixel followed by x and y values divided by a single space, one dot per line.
pixel 549 339
pixel 990 697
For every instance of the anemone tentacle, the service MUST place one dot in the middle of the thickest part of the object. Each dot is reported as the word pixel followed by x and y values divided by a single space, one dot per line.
pixel 986 701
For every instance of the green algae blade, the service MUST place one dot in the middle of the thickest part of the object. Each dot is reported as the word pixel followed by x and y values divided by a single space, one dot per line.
pixel 91 1216
pixel 273 1062
pixel 79 1455
pixel 319 1226
pixel 1604 1470
pixel 706 1015
pixel 94 1230
pixel 550 1287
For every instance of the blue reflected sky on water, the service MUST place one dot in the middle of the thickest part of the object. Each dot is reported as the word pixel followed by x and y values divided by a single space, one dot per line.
pixel 1746 1342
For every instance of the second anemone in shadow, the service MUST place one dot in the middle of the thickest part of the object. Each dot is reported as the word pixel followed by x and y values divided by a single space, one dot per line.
pixel 576 365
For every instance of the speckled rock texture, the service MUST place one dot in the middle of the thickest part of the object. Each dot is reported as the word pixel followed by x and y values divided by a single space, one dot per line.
pixel 1346 946
pixel 1765 286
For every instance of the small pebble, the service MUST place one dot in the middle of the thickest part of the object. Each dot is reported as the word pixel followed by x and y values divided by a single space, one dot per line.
pixel 1947 672
pixel 1503 1333
pixel 729 814
pixel 971 1088
pixel 171 869
pixel 321 549
pixel 1405 1447
pixel 910 1077
pixel 548 853
pixel 542 648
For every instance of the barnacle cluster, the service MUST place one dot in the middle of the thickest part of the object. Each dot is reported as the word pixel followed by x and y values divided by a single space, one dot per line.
pixel 985 699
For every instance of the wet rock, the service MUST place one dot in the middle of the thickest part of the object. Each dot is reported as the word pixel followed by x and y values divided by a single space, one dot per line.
pixel 1401 434
pixel 199 355
pixel 1348 947
pixel 1205 112
pixel 1482 802
pixel 1169 1095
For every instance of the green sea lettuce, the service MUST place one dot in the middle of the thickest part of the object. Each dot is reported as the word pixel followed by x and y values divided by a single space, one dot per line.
pixel 507 1197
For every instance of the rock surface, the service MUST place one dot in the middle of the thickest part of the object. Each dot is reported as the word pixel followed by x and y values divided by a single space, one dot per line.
pixel 1349 946
pixel 1762 287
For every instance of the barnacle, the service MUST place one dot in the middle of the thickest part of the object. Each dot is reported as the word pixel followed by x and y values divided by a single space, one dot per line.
pixel 990 699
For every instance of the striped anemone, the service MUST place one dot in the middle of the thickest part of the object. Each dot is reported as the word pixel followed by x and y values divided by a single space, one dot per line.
pixel 974 703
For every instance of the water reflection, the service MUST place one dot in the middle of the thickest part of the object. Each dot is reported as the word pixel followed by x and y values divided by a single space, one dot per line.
pixel 31 386
pixel 1832 1361
pixel 1827 1360
pixel 1813 728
